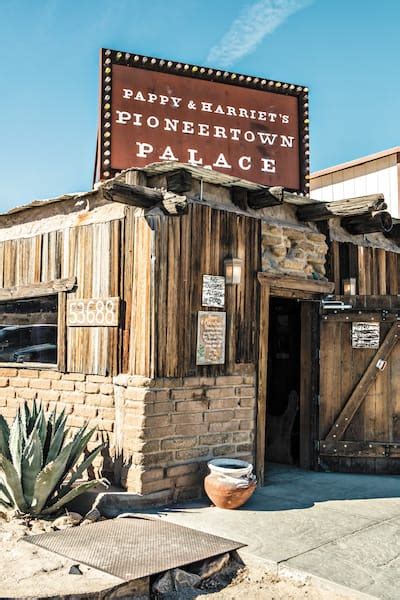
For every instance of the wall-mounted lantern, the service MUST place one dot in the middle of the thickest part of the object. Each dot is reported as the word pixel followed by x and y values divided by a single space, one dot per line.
pixel 233 270
pixel 350 286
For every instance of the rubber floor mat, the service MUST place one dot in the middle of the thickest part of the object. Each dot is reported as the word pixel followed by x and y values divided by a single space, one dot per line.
pixel 131 548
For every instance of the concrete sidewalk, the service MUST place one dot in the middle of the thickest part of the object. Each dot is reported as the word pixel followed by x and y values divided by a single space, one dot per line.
pixel 339 527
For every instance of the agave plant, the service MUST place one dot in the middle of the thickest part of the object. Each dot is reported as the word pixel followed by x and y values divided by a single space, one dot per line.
pixel 39 461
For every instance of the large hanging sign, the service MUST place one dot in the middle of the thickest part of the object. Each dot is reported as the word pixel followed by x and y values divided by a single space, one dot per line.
pixel 155 110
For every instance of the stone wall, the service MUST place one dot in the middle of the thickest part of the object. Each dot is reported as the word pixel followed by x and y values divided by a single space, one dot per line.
pixel 160 433
pixel 299 252
pixel 169 429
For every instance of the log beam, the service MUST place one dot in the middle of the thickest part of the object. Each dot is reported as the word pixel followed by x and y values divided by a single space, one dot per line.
pixel 320 211
pixel 374 222
pixel 179 181
pixel 263 198
pixel 394 233
pixel 239 197
pixel 34 290
pixel 133 195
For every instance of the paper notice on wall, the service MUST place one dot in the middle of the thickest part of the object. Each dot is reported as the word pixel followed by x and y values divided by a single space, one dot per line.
pixel 365 335
pixel 211 331
pixel 213 291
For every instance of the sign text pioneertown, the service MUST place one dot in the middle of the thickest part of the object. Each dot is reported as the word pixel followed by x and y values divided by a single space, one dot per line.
pixel 153 110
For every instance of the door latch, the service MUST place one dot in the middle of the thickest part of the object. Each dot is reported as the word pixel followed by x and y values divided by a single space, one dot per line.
pixel 386 450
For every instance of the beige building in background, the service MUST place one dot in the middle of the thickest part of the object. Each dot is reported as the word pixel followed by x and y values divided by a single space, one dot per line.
pixel 376 173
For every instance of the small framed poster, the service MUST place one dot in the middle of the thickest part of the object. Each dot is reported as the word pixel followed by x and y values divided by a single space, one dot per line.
pixel 213 291
pixel 365 335
pixel 211 332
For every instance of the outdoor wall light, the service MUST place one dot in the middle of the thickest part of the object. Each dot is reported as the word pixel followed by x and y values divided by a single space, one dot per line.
pixel 350 286
pixel 233 270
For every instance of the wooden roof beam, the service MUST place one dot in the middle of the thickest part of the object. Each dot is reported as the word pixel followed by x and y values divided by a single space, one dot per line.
pixel 133 195
pixel 380 221
pixel 394 233
pixel 144 197
pixel 179 181
pixel 321 211
pixel 265 197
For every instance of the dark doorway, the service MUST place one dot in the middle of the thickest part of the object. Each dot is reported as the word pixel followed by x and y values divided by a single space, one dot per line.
pixel 283 392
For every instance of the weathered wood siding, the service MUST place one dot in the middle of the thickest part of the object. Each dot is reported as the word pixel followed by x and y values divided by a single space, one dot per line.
pixel 186 248
pixel 377 271
pixel 108 259
pixel 378 417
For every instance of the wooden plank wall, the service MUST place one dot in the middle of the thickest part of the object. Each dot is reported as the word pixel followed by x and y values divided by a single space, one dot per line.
pixel 378 418
pixel 92 253
pixel 188 247
pixel 377 271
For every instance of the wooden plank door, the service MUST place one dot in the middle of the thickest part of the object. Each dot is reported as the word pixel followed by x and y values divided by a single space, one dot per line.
pixel 359 404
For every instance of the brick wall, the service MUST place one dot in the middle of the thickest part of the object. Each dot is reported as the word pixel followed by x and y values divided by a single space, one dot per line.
pixel 84 397
pixel 168 429
pixel 161 433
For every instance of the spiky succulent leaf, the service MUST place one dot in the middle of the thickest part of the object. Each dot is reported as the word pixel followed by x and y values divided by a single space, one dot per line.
pixel 79 443
pixel 5 497
pixel 49 436
pixel 41 426
pixel 16 441
pixel 32 458
pixel 4 437
pixel 73 493
pixel 59 419
pixel 56 442
pixel 33 414
pixel 12 482
pixel 48 479
pixel 85 464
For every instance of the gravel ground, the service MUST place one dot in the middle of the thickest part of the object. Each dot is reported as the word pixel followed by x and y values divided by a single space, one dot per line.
pixel 27 571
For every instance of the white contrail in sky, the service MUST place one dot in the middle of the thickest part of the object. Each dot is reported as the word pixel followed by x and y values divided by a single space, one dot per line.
pixel 250 27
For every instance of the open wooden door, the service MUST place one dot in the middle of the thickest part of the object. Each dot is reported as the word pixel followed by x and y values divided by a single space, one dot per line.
pixel 359 405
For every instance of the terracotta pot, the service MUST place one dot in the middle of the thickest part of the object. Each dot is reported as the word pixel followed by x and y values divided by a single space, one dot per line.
pixel 225 494
pixel 230 483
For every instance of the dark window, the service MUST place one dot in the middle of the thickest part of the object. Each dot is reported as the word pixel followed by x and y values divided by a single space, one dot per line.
pixel 28 330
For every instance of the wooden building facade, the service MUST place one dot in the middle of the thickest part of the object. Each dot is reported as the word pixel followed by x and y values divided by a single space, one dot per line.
pixel 102 303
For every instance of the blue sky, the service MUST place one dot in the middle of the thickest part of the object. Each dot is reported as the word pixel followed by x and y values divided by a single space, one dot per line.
pixel 345 51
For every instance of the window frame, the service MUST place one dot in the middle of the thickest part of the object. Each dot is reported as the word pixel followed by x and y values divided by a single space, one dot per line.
pixel 58 287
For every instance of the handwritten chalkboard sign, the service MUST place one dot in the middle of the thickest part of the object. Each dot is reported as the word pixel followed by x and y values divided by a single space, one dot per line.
pixel 365 335
pixel 213 292
pixel 211 330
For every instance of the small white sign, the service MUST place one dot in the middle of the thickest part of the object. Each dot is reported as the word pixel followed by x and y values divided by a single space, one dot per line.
pixel 93 312
pixel 213 291
pixel 365 335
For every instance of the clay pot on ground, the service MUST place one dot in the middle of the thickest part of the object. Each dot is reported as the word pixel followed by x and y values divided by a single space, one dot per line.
pixel 230 482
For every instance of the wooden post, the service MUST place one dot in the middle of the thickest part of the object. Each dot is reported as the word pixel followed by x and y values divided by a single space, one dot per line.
pixel 262 381
pixel 62 332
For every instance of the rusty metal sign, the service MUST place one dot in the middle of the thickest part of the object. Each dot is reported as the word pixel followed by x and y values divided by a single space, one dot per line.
pixel 155 110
